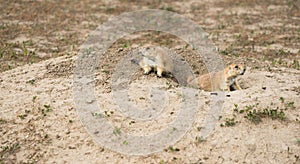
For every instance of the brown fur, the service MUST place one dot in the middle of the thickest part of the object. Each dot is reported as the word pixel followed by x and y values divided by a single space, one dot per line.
pixel 219 81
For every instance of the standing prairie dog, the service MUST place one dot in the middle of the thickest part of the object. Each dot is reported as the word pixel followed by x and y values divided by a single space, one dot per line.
pixel 219 81
pixel 157 58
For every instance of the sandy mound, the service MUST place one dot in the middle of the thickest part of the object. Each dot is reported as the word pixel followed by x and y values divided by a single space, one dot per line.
pixel 39 120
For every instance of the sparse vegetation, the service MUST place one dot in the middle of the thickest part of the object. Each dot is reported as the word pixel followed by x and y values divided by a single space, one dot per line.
pixel 181 96
pixel 245 31
pixel 47 107
pixel 117 131
pixel 172 149
pixel 34 99
pixel 255 113
pixel 256 116
pixel 44 110
pixel 290 105
pixel 236 109
pixel 105 71
pixel 22 116
pixel 40 110
pixel 298 141
pixel 200 139
pixel 229 122
pixel 108 113
pixel 125 142
pixel 296 64
pixel 281 99
pixel 125 45
pixel 18 52
pixel 31 81
pixel 95 114
pixel 199 128
pixel 2 121
pixel 169 8
pixel 9 149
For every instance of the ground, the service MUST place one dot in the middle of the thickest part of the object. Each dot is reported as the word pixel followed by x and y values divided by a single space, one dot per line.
pixel 40 42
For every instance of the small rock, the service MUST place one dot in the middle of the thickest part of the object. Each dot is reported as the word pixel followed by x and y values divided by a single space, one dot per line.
pixel 213 93
pixel 90 101
pixel 68 132
pixel 72 147
pixel 120 49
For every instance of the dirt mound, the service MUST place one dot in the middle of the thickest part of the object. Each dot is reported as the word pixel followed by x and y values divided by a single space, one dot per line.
pixel 259 124
pixel 39 121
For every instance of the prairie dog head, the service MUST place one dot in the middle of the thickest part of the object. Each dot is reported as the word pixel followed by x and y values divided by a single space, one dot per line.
pixel 234 70
pixel 147 51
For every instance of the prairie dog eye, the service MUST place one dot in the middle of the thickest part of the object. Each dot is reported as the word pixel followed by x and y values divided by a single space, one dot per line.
pixel 236 66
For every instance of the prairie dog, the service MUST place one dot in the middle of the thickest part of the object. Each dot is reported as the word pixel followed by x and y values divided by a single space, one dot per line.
pixel 157 58
pixel 219 81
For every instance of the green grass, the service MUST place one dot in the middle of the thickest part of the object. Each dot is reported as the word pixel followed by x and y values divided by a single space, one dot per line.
pixel 41 110
pixel 12 148
pixel 17 53
pixel 32 81
pixel 200 139
pixel 117 131
pixel 296 64
pixel 2 121
pixel 95 114
pixel 126 45
pixel 22 116
pixel 169 8
pixel 290 105
pixel 280 62
pixel 281 99
pixel 125 142
pixel 45 109
pixel 229 122
pixel 34 99
pixel 172 149
pixel 255 113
